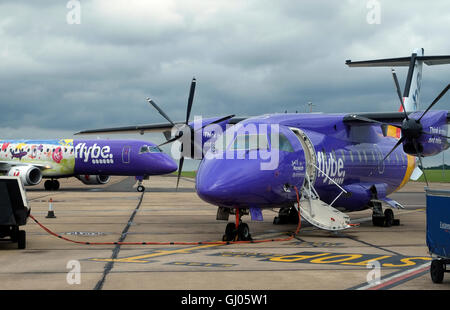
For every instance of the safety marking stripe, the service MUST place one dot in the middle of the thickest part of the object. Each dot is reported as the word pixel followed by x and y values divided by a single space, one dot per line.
pixel 142 258
pixel 394 280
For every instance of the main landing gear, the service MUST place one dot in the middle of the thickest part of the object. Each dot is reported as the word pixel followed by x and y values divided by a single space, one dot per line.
pixel 286 215
pixel 51 185
pixel 381 219
pixel 238 231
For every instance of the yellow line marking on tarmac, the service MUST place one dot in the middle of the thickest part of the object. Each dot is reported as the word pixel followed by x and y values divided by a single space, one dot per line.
pixel 158 253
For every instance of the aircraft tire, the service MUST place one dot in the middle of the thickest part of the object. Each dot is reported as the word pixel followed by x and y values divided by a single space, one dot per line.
pixel 437 271
pixel 21 239
pixel 48 185
pixel 244 232
pixel 378 221
pixel 388 218
pixel 55 185
pixel 140 188
pixel 230 232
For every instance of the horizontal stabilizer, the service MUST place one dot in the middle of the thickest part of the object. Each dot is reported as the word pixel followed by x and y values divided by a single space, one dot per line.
pixel 400 62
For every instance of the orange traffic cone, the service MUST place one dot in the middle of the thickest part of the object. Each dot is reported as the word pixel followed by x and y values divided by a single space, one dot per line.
pixel 51 213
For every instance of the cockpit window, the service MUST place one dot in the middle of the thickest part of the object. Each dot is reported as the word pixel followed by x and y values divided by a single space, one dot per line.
pixel 149 149
pixel 250 142
pixel 283 144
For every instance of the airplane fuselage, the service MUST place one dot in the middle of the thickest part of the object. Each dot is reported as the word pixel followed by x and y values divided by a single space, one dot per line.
pixel 68 157
pixel 333 155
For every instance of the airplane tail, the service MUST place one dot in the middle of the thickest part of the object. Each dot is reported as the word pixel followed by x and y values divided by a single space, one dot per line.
pixel 411 91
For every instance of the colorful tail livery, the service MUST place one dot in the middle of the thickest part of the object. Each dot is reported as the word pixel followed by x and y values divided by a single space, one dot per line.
pixel 91 161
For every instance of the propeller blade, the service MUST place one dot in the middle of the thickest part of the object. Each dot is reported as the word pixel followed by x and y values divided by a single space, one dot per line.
pixel 159 110
pixel 171 140
pixel 435 101
pixel 399 93
pixel 180 168
pixel 400 141
pixel 191 99
pixel 420 160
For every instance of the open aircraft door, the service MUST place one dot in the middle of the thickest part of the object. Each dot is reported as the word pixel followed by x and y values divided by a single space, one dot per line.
pixel 312 209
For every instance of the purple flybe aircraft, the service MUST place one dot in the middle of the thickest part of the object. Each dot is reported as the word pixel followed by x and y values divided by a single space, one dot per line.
pixel 91 161
pixel 337 163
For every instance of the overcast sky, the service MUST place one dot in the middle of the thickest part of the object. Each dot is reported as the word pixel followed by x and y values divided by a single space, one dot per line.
pixel 249 58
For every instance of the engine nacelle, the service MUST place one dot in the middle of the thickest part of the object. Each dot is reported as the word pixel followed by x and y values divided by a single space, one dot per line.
pixel 420 143
pixel 29 175
pixel 93 179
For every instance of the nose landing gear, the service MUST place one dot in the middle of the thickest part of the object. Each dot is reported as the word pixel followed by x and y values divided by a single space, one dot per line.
pixel 238 231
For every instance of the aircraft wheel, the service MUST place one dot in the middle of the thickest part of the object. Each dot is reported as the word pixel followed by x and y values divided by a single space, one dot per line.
pixel 293 216
pixel 21 239
pixel 48 185
pixel 388 218
pixel 378 220
pixel 244 232
pixel 55 185
pixel 230 232
pixel 140 188
pixel 14 233
pixel 437 271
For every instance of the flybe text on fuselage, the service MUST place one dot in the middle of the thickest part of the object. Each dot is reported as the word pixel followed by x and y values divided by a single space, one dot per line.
pixel 332 167
pixel 94 153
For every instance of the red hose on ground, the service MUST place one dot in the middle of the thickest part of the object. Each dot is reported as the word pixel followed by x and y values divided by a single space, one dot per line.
pixel 177 243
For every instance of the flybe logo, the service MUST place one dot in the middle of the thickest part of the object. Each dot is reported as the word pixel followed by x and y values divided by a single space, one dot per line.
pixel 332 167
pixel 94 153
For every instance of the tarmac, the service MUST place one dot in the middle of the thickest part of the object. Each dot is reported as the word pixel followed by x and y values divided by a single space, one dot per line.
pixel 362 257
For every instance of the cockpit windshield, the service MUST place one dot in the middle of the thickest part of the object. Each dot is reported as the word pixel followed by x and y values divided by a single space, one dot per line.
pixel 149 149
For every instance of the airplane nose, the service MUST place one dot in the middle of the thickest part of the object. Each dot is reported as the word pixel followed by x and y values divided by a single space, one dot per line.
pixel 170 165
pixel 235 182
pixel 163 164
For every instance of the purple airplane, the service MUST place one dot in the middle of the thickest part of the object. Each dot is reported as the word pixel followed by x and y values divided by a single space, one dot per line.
pixel 337 162
pixel 91 161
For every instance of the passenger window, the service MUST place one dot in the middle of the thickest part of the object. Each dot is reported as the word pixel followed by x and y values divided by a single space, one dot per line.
pixel 351 155
pixel 284 144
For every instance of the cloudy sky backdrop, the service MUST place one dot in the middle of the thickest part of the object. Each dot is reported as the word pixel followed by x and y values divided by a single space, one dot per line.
pixel 249 57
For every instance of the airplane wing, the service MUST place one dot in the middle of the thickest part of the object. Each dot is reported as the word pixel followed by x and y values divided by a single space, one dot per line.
pixel 4 164
pixel 382 117
pixel 130 129
pixel 164 127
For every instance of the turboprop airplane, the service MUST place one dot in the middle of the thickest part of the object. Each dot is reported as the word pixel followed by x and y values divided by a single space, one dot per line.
pixel 90 161
pixel 335 163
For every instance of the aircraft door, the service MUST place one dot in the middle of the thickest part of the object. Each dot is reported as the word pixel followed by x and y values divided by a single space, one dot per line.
pixel 310 154
pixel 126 154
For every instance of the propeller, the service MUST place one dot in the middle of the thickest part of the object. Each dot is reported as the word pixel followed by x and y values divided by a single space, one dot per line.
pixel 411 129
pixel 179 134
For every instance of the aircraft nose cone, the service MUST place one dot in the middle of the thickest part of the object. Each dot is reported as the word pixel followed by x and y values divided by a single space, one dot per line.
pixel 169 165
pixel 162 164
pixel 234 182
